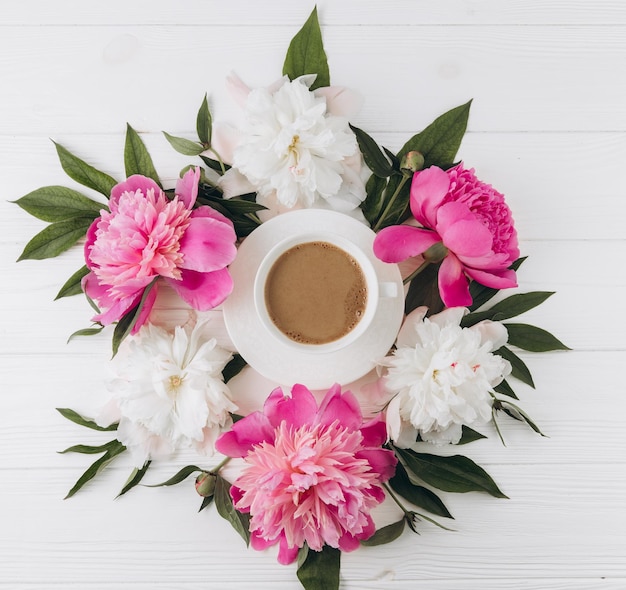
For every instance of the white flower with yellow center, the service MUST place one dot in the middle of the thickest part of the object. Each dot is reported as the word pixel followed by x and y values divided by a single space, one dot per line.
pixel 442 376
pixel 169 393
pixel 293 149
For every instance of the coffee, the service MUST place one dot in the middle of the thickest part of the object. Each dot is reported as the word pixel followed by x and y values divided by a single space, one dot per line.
pixel 315 293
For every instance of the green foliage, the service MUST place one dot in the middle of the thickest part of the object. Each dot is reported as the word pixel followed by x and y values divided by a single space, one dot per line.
pixel 58 203
pixel 137 160
pixel 519 369
pixel 82 421
pixel 508 308
pixel 533 339
pixel 83 173
pixel 306 54
pixel 181 475
pixel 184 146
pixel 386 534
pixel 224 504
pixel 204 123
pixel 374 158
pixel 73 285
pixel 319 570
pixel 55 239
pixel 416 494
pixel 134 479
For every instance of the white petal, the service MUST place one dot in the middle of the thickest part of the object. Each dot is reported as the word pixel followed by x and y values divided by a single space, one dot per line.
pixel 493 332
pixel 407 336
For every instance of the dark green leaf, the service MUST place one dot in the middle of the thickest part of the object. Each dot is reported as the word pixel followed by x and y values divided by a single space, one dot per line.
pixel 374 158
pixel 58 203
pixel 184 146
pixel 83 173
pixel 319 570
pixel 73 285
pixel 181 475
pixel 137 160
pixel 96 468
pixel 385 534
pixel 532 338
pixel 86 332
pixel 124 327
pixel 395 162
pixel 91 450
pixel 306 54
pixel 204 123
pixel 469 435
pixel 396 202
pixel 505 389
pixel 481 294
pixel 224 504
pixel 55 239
pixel 518 414
pixel 508 308
pixel 205 503
pixel 440 141
pixel 215 164
pixel 452 474
pixel 235 365
pixel 373 205
pixel 417 495
pixel 424 290
pixel 135 478
pixel 81 421
pixel 519 369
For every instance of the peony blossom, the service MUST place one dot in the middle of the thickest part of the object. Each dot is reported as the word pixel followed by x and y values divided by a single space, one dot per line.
pixel 312 473
pixel 145 235
pixel 168 392
pixel 472 221
pixel 442 376
pixel 293 151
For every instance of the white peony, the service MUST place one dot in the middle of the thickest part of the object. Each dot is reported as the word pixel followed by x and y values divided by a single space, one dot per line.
pixel 294 152
pixel 442 376
pixel 168 392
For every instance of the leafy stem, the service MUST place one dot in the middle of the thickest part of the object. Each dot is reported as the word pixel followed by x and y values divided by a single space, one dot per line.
pixel 217 468
pixel 392 200
pixel 417 271
pixel 219 159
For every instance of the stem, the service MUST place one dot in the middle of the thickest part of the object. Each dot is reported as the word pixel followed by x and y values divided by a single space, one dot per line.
pixel 216 469
pixel 219 159
pixel 390 203
pixel 396 500
pixel 417 271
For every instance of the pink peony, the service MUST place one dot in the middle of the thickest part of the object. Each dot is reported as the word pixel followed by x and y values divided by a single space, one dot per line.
pixel 312 473
pixel 146 235
pixel 472 221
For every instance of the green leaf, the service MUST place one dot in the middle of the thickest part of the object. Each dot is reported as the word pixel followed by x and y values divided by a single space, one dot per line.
pixel 424 290
pixel 374 158
pixel 184 146
pixel 135 478
pixel 319 570
pixel 216 165
pixel 224 504
pixel 532 338
pixel 181 475
pixel 385 534
pixel 452 474
pixel 373 205
pixel 86 332
pixel 519 369
pixel 440 141
pixel 205 503
pixel 55 239
pixel 137 160
pixel 417 495
pixel 81 421
pixel 518 414
pixel 204 123
pixel 396 202
pixel 124 327
pixel 83 173
pixel 96 467
pixel 73 285
pixel 90 450
pixel 508 308
pixel 481 294
pixel 469 435
pixel 58 203
pixel 233 368
pixel 306 54
pixel 505 389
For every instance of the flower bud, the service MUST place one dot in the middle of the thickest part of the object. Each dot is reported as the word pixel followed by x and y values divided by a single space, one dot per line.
pixel 205 484
pixel 412 162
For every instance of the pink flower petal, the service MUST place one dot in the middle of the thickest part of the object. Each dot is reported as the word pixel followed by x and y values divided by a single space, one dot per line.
pixel 399 242
pixel 453 285
pixel 203 290
pixel 468 238
pixel 208 244
pixel 90 239
pixel 374 432
pixel 297 409
pixel 343 408
pixel 504 279
pixel 381 460
pixel 133 183
pixel 144 314
pixel 206 211
pixel 286 554
pixel 243 435
pixel 187 187
pixel 428 189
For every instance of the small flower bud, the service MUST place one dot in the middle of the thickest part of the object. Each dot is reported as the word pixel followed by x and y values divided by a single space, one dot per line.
pixel 205 484
pixel 436 253
pixel 411 162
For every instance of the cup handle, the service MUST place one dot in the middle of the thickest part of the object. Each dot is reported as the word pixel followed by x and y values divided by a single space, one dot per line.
pixel 388 290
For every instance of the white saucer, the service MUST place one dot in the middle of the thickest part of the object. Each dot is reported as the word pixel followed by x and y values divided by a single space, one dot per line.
pixel 276 360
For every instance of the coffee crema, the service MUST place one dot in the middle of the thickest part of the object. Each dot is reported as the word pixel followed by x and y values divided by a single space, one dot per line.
pixel 315 293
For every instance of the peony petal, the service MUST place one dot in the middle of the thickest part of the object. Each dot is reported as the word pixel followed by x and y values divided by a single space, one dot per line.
pixel 224 139
pixel 399 242
pixel 453 284
pixel 233 184
pixel 90 239
pixel 238 89
pixel 382 461
pixel 428 189
pixel 349 542
pixel 374 432
pixel 341 101
pixel 468 238
pixel 208 244
pixel 392 418
pixel 343 408
pixel 187 187
pixel 133 183
pixel 493 332
pixel 407 336
pixel 286 554
pixel 243 435
pixel 203 290
pixel 206 211
pixel 496 279
pixel 297 409
pixel 144 314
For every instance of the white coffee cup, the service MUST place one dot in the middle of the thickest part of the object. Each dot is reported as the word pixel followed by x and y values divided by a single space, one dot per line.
pixel 375 290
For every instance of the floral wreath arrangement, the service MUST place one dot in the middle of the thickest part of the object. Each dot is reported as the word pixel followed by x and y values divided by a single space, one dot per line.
pixel 313 465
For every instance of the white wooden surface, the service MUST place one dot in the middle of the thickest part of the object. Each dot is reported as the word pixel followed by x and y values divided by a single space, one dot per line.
pixel 548 128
